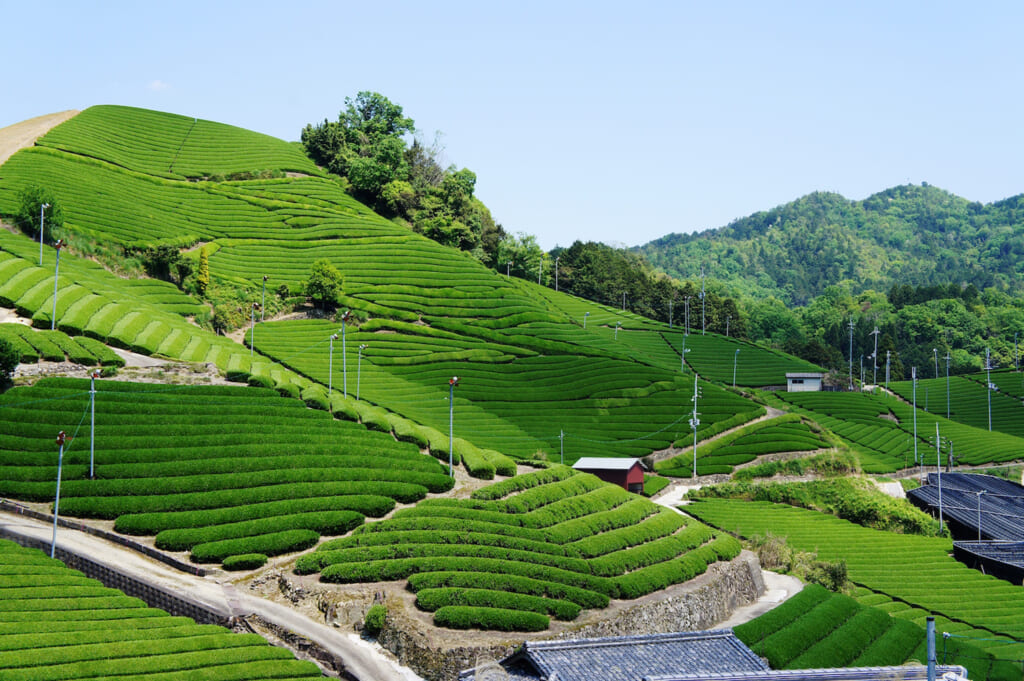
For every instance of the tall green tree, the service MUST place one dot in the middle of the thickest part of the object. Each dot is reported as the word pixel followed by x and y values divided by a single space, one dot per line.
pixel 324 285
pixel 9 359
pixel 30 203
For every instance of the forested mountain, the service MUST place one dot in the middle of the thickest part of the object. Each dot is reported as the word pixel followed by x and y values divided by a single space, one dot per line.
pixel 906 235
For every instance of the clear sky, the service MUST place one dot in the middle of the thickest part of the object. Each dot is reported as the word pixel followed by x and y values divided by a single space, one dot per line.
pixel 609 121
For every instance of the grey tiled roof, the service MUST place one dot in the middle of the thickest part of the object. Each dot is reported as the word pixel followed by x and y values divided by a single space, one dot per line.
pixel 632 658
pixel 903 673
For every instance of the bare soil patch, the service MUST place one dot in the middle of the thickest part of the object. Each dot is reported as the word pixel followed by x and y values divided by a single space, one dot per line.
pixel 20 135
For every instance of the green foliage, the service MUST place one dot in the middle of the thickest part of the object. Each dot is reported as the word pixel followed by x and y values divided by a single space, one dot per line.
pixel 203 277
pixel 434 599
pixel 829 464
pixel 10 357
pixel 30 201
pixel 853 499
pixel 245 561
pixel 495 619
pixel 375 619
pixel 324 285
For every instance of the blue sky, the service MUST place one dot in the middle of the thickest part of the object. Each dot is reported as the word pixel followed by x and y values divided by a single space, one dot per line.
pixel 616 122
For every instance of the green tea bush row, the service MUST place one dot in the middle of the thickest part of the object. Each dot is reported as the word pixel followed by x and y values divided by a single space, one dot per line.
pixel 522 482
pixel 847 641
pixel 245 561
pixel 111 507
pixel 401 568
pixel 509 583
pixel 379 552
pixel 43 344
pixel 412 520
pixel 760 628
pixel 29 355
pixel 634 510
pixel 322 522
pixel 272 544
pixel 786 645
pixel 661 575
pixel 493 619
pixel 656 551
pixel 75 352
pixel 464 536
pixel 654 484
pixel 153 523
pixel 601 499
pixel 434 599
pixel 662 523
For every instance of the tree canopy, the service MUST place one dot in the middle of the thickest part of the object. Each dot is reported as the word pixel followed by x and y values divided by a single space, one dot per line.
pixel 29 213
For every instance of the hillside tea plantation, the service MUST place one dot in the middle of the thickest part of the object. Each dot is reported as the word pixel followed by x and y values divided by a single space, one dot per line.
pixel 915 573
pixel 540 545
pixel 217 471
pixel 57 624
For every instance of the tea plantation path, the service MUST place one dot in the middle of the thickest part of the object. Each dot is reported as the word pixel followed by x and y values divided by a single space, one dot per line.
pixel 362 661
pixel 25 134
pixel 661 455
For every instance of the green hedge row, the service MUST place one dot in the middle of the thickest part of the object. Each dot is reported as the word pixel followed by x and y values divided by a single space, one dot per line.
pixel 649 553
pixel 272 544
pixel 330 523
pixel 522 482
pixel 510 583
pixel 434 599
pixel 760 628
pixel 847 642
pixel 401 568
pixel 411 520
pixel 381 552
pixel 245 561
pixel 453 536
pixel 544 495
pixel 629 513
pixel 661 524
pixel 494 619
pixel 112 507
pixel 154 523
pixel 661 575
pixel 786 645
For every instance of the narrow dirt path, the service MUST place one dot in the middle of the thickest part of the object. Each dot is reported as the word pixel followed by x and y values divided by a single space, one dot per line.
pixel 24 134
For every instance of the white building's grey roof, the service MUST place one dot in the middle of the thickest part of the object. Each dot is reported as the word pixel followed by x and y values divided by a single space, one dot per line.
pixel 605 463
pixel 630 658
pixel 804 374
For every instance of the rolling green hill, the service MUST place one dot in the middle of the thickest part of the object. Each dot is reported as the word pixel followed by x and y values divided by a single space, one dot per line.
pixel 904 235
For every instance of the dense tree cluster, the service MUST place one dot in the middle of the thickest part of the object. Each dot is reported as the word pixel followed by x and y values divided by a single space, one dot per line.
pixel 368 146
pixel 913 235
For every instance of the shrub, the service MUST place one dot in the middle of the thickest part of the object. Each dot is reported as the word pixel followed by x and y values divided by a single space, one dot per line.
pixel 494 619
pixel 9 359
pixel 260 381
pixel 315 398
pixel 288 389
pixel 376 616
pixel 245 561
pixel 270 544
pixel 434 599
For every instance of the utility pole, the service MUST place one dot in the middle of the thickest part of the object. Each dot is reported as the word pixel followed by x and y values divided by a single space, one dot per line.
pixel 92 423
pixel 694 422
pixel 263 305
pixel 682 356
pixel 886 369
pixel 42 221
pixel 556 272
pixel 540 264
pixel 935 352
pixel 344 363
pixel 452 382
pixel 330 366
pixel 359 369
pixel 252 331
pixel 947 382
pixel 728 318
pixel 561 446
pixel 913 374
pixel 61 243
pixel 938 468
pixel 686 309
pixel 670 313
pixel 703 306
pixel 874 358
pixel 988 385
pixel 56 503
pixel 851 352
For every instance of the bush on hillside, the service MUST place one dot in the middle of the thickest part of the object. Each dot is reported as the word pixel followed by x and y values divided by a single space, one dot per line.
pixel 375 619
pixel 27 218
pixel 9 359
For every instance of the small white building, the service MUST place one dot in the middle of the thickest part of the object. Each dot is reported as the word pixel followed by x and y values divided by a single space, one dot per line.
pixel 801 382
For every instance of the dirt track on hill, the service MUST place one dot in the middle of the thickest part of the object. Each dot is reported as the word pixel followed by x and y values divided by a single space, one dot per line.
pixel 24 134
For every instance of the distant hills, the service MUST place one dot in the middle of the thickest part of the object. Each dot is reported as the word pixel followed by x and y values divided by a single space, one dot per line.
pixel 915 235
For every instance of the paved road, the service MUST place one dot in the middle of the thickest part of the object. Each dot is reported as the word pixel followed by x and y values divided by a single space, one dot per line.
pixel 363 660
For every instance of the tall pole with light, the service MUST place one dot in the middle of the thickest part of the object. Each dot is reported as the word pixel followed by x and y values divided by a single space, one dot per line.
pixel 735 357
pixel 913 375
pixel 979 493
pixel 623 301
pixel 330 366
pixel 935 353
pixel 686 310
pixel 682 356
pixel 887 352
pixel 56 272
pixel 728 318
pixel 851 352
pixel 92 423
pixel 585 315
pixel 452 382
pixel 617 325
pixel 252 330
pixel 988 385
pixel 263 304
pixel 1016 353
pixel 359 369
pixel 508 269
pixel 42 222
pixel 694 422
pixel 703 305
pixel 556 272
pixel 670 313
pixel 874 358
pixel 344 364
pixel 947 358
pixel 56 502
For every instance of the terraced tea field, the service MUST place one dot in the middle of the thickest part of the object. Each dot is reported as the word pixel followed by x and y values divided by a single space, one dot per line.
pixel 540 545
pixel 912 571
pixel 969 401
pixel 817 628
pixel 217 471
pixel 57 624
